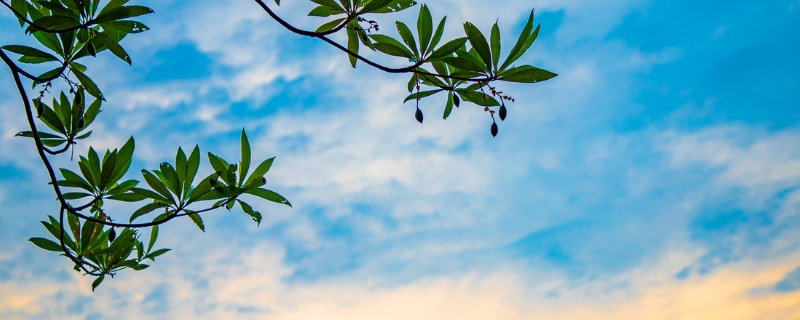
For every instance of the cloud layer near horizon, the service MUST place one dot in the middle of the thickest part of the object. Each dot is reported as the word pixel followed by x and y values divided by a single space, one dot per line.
pixel 621 188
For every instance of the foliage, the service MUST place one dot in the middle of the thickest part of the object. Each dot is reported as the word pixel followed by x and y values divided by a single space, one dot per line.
pixel 69 31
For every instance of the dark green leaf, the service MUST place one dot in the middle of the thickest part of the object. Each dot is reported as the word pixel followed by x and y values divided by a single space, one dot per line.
pixel 447 49
pixel 478 98
pixel 46 244
pixel 514 54
pixel 260 171
pixel 113 46
pixel 463 63
pixel 28 51
pixel 421 95
pixel 437 36
pixel 157 185
pixel 448 108
pixel 98 281
pixel 479 43
pixel 269 196
pixel 495 41
pixel 424 28
pixel 150 207
pixel 390 46
pixel 325 11
pixel 122 12
pixel 329 26
pixel 198 221
pixel 374 5
pixel 152 256
pixel 407 37
pixel 527 74
pixel 395 6
pixel 244 166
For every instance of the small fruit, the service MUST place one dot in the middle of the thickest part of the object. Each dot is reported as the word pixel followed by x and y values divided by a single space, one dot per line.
pixel 494 129
pixel 503 112
pixel 81 123
pixel 418 115
pixel 112 235
pixel 456 100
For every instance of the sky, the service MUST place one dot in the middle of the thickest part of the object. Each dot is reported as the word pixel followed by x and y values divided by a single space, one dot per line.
pixel 657 177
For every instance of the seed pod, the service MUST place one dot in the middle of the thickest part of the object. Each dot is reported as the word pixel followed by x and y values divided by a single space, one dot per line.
pixel 503 113
pixel 494 129
pixel 456 100
pixel 81 123
pixel 418 115
pixel 112 235
pixel 263 180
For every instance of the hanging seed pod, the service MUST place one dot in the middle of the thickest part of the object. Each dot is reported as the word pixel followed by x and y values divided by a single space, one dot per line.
pixel 81 123
pixel 112 235
pixel 456 100
pixel 494 129
pixel 418 115
pixel 263 180
pixel 503 112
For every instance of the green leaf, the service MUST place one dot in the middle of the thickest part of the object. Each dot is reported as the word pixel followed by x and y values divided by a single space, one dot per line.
pixel 479 43
pixel 260 171
pixel 448 108
pixel 113 46
pixel 324 11
pixel 407 37
pixel 170 179
pixel 108 170
pixel 76 179
pixel 153 237
pixel 244 166
pixel 527 74
pixel 329 26
pixel 122 12
pixel 515 53
pixel 198 221
pixel 495 41
pixel 437 36
pixel 31 52
pixel 390 46
pixel 352 45
pixel 463 63
pixel 48 23
pixel 125 26
pixel 98 281
pixel 269 196
pixel 150 207
pixel 157 185
pixel 424 28
pixel 395 6
pixel 249 211
pixel 478 98
pixel 192 164
pixel 46 244
pixel 421 95
pixel 152 256
pixel 75 195
pixel 50 41
pixel 128 197
pixel 374 5
pixel 447 49
pixel 20 7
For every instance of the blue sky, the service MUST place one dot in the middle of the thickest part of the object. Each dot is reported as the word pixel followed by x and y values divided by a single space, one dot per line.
pixel 658 174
